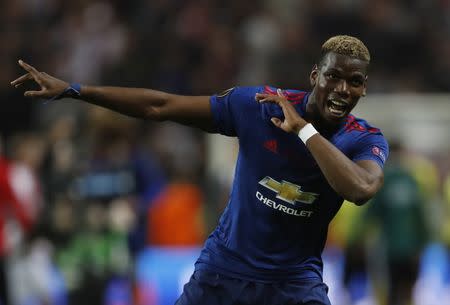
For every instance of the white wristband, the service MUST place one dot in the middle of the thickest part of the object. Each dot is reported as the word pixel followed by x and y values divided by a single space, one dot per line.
pixel 307 132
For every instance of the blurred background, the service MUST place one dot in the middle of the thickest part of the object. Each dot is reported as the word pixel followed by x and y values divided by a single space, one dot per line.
pixel 98 208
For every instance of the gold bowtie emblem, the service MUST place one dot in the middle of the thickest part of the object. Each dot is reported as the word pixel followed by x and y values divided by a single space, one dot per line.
pixel 287 191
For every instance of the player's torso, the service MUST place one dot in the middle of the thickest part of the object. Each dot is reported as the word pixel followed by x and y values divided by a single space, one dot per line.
pixel 280 199
pixel 276 221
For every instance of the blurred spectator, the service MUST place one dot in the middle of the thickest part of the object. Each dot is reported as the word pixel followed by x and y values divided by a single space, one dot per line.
pixel 97 39
pixel 19 200
pixel 287 66
pixel 433 287
pixel 446 225
pixel 349 232
pixel 400 211
pixel 176 216
pixel 98 252
pixel 117 165
pixel 261 36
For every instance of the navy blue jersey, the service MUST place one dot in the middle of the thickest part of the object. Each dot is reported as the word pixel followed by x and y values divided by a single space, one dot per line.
pixel 275 224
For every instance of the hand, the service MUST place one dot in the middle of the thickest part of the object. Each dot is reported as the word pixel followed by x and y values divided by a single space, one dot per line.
pixel 50 86
pixel 292 122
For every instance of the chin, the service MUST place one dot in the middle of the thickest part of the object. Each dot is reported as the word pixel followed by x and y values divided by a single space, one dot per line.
pixel 329 121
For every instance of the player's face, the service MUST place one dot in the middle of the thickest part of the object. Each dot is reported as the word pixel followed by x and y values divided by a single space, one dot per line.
pixel 337 86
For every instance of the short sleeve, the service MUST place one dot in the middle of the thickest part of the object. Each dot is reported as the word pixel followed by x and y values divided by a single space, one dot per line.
pixel 372 146
pixel 230 107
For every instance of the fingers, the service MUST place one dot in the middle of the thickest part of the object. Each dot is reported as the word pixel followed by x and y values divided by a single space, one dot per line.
pixel 260 96
pixel 39 93
pixel 291 119
pixel 264 97
pixel 29 68
pixel 35 74
pixel 19 81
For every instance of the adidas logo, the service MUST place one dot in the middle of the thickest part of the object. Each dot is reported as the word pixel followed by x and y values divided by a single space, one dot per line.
pixel 271 145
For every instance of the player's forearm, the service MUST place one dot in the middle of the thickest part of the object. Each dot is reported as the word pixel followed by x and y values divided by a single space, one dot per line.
pixel 135 102
pixel 347 178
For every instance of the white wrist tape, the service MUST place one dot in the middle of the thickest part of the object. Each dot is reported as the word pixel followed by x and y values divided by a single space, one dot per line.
pixel 307 132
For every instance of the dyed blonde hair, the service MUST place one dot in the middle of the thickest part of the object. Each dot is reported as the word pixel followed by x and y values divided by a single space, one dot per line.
pixel 346 45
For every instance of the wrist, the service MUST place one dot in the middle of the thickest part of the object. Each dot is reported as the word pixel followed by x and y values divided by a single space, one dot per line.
pixel 73 90
pixel 306 132
pixel 299 127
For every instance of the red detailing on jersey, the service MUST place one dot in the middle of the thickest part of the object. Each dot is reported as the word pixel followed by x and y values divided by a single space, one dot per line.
pixel 271 145
pixel 293 97
pixel 269 90
pixel 352 124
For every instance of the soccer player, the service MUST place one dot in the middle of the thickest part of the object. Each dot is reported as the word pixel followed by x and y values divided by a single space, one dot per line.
pixel 301 154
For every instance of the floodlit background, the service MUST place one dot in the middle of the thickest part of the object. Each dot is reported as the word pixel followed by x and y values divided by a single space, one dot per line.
pixel 98 208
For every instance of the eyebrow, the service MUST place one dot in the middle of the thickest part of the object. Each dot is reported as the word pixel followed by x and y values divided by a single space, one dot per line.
pixel 333 69
pixel 360 75
pixel 339 70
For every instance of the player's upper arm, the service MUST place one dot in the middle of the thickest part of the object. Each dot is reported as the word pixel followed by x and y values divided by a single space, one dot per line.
pixel 371 154
pixel 193 111
pixel 375 173
pixel 223 113
pixel 233 110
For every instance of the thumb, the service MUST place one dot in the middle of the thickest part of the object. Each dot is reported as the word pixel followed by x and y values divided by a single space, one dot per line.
pixel 33 93
pixel 276 121
pixel 280 92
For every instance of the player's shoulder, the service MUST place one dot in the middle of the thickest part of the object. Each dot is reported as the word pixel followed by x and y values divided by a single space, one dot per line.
pixel 292 95
pixel 360 126
pixel 367 141
pixel 237 95
pixel 241 90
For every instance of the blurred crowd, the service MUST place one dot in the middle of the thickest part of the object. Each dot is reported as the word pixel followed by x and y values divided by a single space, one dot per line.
pixel 84 190
pixel 201 47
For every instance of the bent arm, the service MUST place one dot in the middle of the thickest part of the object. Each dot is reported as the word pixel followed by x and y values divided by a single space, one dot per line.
pixel 153 105
pixel 356 182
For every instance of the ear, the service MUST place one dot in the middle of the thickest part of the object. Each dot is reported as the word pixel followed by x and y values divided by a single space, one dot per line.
pixel 313 76
pixel 365 86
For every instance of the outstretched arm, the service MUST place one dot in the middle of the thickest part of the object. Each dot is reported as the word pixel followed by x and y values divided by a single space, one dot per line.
pixel 354 181
pixel 136 102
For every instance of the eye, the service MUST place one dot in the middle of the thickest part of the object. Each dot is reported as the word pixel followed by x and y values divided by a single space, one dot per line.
pixel 332 75
pixel 356 82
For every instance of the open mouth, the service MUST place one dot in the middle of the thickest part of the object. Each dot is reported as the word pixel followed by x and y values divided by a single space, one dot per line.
pixel 337 108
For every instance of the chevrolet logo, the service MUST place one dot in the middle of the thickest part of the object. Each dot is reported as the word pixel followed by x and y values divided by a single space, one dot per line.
pixel 287 191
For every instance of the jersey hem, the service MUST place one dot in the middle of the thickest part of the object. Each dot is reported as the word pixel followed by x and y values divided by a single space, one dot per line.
pixel 303 275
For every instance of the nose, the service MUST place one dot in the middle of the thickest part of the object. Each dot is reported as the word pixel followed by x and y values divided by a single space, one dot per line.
pixel 342 88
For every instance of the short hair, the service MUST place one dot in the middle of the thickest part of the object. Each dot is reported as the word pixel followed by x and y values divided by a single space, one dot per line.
pixel 346 45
